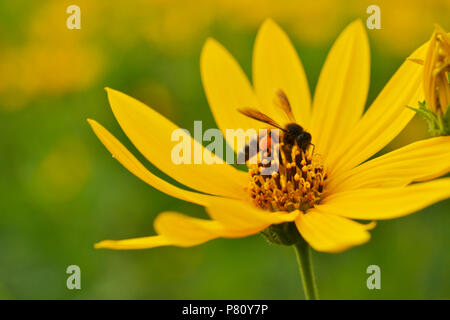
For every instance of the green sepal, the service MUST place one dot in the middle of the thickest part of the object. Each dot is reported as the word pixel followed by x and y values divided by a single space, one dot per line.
pixel 446 121
pixel 285 234
pixel 437 125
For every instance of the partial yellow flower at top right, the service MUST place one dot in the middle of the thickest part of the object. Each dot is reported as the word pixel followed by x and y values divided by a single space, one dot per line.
pixel 436 84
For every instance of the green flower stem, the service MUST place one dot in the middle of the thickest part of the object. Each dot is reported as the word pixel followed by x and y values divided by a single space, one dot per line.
pixel 303 252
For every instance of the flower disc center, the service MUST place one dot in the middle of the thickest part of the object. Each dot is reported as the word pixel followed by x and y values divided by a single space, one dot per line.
pixel 298 183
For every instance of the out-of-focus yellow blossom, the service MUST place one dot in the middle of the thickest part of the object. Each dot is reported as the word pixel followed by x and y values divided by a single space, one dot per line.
pixel 37 70
pixel 53 60
pixel 400 18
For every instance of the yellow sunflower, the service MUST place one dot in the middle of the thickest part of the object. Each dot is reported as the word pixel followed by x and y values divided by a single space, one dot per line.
pixel 318 197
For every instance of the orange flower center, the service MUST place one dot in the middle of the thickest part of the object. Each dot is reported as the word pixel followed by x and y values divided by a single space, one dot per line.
pixel 298 183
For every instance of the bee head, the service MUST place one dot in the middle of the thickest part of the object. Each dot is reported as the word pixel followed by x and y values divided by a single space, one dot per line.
pixel 293 129
pixel 304 140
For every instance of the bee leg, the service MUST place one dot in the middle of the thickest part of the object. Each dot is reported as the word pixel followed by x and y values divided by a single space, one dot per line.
pixel 245 152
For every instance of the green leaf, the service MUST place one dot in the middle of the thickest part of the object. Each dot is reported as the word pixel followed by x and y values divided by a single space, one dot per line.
pixel 424 112
pixel 432 120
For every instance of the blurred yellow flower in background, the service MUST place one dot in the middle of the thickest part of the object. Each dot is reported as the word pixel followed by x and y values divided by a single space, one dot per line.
pixel 55 60
pixel 344 136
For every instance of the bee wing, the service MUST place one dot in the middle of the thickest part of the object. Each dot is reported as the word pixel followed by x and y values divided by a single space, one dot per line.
pixel 257 115
pixel 284 104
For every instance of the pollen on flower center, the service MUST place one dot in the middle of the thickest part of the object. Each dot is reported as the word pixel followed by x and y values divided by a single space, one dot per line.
pixel 298 183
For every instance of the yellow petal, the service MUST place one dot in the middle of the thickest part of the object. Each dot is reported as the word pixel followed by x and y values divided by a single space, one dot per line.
pixel 151 133
pixel 237 214
pixel 443 84
pixel 227 89
pixel 187 231
pixel 342 88
pixel 429 80
pixel 330 233
pixel 385 203
pixel 276 66
pixel 134 244
pixel 177 229
pixel 418 161
pixel 126 158
pixel 384 120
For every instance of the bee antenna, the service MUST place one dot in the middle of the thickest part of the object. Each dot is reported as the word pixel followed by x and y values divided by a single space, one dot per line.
pixel 314 148
pixel 259 116
pixel 282 102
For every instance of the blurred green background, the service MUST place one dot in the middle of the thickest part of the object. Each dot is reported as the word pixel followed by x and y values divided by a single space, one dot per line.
pixel 61 191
